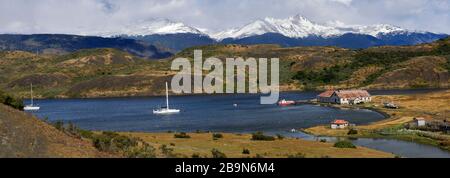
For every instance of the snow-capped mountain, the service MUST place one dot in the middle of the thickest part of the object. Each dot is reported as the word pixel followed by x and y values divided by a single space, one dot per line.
pixel 372 30
pixel 289 32
pixel 152 27
pixel 300 27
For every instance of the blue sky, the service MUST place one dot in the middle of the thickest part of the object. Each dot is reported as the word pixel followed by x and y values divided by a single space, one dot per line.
pixel 71 16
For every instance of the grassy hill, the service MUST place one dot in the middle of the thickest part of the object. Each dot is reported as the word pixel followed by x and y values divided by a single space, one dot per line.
pixel 23 135
pixel 92 72
pixel 111 72
pixel 425 65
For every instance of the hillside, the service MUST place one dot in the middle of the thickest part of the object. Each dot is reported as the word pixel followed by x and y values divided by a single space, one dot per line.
pixel 25 136
pixel 108 72
pixel 63 44
pixel 318 68
pixel 85 73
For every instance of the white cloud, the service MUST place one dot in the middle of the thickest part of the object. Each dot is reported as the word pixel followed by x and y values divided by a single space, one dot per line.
pixel 346 2
pixel 75 16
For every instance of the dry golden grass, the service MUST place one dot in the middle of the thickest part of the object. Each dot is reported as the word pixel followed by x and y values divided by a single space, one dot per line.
pixel 432 106
pixel 233 144
pixel 25 136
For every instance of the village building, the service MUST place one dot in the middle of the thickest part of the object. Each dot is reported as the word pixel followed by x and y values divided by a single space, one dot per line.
pixel 420 121
pixel 339 124
pixel 344 96
pixel 325 97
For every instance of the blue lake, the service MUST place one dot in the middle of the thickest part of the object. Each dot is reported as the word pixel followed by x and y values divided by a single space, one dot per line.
pixel 207 113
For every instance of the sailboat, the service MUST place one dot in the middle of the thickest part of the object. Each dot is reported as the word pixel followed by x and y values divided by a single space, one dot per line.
pixel 166 110
pixel 31 107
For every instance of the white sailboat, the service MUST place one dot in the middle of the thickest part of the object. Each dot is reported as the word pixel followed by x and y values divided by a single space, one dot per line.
pixel 31 107
pixel 166 110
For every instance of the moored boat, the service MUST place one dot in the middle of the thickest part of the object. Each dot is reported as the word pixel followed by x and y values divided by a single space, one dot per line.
pixel 166 109
pixel 286 103
pixel 31 107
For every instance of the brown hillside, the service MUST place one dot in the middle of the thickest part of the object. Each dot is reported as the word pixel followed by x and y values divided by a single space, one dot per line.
pixel 22 135
pixel 424 71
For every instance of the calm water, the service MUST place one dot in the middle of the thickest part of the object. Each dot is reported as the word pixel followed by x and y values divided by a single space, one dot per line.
pixel 217 113
pixel 397 147
pixel 211 113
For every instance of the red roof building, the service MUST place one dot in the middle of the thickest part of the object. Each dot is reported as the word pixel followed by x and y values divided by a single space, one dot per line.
pixel 339 124
pixel 344 96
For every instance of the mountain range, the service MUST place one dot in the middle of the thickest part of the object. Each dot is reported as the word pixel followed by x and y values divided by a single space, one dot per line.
pixel 160 38
pixel 293 31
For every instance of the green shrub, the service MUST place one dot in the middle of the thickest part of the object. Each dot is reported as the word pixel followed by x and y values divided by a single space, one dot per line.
pixel 103 143
pixel 195 155
pixel 113 142
pixel 145 151
pixel 344 144
pixel 85 133
pixel 323 140
pixel 217 154
pixel 168 152
pixel 352 132
pixel 217 136
pixel 59 125
pixel 182 135
pixel 123 142
pixel 259 136
pixel 9 100
pixel 280 137
pixel 246 151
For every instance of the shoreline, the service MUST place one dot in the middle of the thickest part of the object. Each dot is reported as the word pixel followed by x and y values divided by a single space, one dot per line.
pixel 426 90
pixel 391 127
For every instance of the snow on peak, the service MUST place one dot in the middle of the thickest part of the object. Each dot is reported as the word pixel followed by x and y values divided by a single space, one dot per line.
pixel 376 30
pixel 294 27
pixel 373 30
pixel 152 26
pixel 300 27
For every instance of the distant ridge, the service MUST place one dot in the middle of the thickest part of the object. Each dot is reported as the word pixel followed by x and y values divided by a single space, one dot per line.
pixel 62 44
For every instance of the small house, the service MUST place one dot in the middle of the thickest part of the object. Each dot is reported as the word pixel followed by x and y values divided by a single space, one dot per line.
pixel 339 124
pixel 420 121
pixel 345 96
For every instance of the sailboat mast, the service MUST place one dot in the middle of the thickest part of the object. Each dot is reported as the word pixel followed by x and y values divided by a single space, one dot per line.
pixel 167 95
pixel 31 93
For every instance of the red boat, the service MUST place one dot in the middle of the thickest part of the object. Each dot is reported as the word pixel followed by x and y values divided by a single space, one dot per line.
pixel 286 103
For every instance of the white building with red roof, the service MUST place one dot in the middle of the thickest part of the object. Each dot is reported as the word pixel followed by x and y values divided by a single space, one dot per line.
pixel 339 124
pixel 344 96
